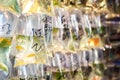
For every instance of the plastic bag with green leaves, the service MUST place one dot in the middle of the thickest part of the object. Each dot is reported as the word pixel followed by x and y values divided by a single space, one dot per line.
pixel 59 72
pixel 7 28
pixel 97 67
pixel 57 32
pixel 41 37
pixel 84 40
pixel 24 53
pixel 67 38
pixel 76 30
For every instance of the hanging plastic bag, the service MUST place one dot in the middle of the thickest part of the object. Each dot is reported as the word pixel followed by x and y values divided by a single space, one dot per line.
pixel 96 41
pixel 97 68
pixel 67 32
pixel 74 16
pixel 85 37
pixel 7 30
pixel 76 71
pixel 24 53
pixel 38 45
pixel 93 40
pixel 45 40
pixel 60 73
pixel 57 32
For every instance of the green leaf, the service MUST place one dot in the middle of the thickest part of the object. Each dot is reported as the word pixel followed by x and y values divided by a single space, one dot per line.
pixel 16 7
pixel 3 67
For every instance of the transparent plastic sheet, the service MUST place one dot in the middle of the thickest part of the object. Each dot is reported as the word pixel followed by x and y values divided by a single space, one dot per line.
pixel 85 64
pixel 97 32
pixel 29 71
pixel 91 39
pixel 47 22
pixel 82 64
pixel 22 54
pixel 38 45
pixel 57 32
pixel 84 39
pixel 43 37
pixel 68 44
pixel 97 67
pixel 75 27
pixel 24 41
pixel 76 71
pixel 69 66
pixel 7 29
pixel 58 71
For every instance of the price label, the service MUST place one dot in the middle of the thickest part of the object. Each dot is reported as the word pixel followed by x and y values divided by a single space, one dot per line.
pixel 5 29
pixel 37 32
pixel 38 39
pixel 65 20
pixel 47 27
pixel 66 32
pixel 36 46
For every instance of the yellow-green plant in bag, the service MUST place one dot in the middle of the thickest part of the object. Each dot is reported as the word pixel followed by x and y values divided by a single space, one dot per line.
pixel 3 67
pixel 41 57
pixel 56 2
pixel 29 6
pixel 7 2
pixel 84 43
pixel 40 50
pixel 57 41
pixel 11 5
pixel 45 6
pixel 25 55
pixel 5 43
